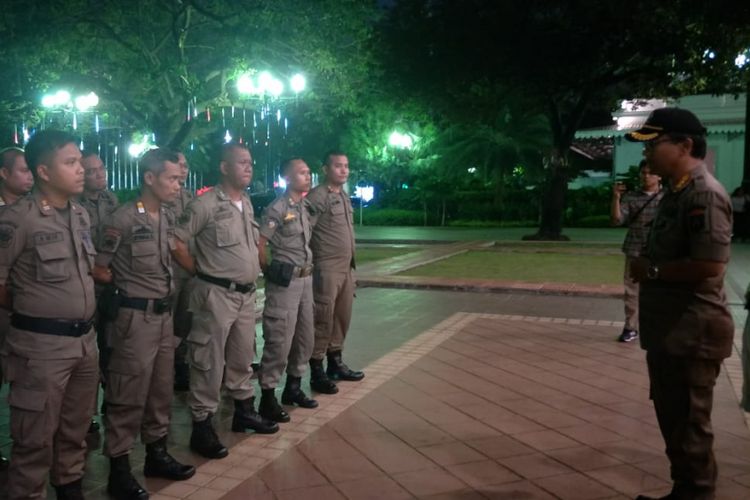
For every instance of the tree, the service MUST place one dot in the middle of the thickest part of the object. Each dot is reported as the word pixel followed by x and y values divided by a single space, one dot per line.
pixel 569 57
pixel 152 60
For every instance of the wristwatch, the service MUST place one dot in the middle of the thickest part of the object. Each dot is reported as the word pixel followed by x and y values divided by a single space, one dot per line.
pixel 653 272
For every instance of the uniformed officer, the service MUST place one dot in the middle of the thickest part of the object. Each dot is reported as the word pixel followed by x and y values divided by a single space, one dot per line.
pixel 15 181
pixel 135 256
pixel 182 288
pixel 686 327
pixel 50 356
pixel 333 281
pixel 99 202
pixel 288 330
pixel 222 335
pixel 15 177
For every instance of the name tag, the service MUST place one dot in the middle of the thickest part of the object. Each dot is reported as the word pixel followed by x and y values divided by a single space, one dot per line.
pixel 42 238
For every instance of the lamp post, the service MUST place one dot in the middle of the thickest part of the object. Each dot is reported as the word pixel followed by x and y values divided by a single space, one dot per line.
pixel 267 93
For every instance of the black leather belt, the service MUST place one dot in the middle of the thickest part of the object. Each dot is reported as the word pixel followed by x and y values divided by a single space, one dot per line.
pixel 302 272
pixel 51 326
pixel 161 306
pixel 228 284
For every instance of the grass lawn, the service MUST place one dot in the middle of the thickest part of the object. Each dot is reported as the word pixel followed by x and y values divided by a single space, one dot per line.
pixel 371 253
pixel 529 267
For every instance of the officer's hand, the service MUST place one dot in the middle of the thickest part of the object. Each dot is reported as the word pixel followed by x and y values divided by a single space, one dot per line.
pixel 102 274
pixel 618 190
pixel 639 269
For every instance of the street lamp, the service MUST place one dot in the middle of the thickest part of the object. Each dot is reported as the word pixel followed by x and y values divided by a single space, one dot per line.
pixel 62 99
pixel 400 141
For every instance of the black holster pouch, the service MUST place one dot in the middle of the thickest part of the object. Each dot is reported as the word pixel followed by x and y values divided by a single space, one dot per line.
pixel 109 303
pixel 280 273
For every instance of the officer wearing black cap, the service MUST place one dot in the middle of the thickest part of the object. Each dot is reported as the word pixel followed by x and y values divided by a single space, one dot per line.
pixel 686 327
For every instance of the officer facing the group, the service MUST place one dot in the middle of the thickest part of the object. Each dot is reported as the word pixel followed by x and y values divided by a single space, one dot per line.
pixel 135 255
pixel 49 356
pixel 98 201
pixel 222 335
pixel 288 311
pixel 182 288
pixel 686 327
pixel 333 281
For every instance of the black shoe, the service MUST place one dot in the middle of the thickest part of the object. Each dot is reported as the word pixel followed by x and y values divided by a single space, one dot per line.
pixel 181 377
pixel 294 395
pixel 627 335
pixel 337 370
pixel 245 417
pixel 3 462
pixel 94 426
pixel 122 485
pixel 204 440
pixel 159 463
pixel 319 381
pixel 70 491
pixel 270 408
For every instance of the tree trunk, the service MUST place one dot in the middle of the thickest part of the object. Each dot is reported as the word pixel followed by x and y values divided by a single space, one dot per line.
pixel 424 205
pixel 553 200
pixel 442 218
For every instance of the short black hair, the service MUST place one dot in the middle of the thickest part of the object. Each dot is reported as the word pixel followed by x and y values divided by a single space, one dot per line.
pixel 153 161
pixel 8 157
pixel 287 164
pixel 43 145
pixel 643 164
pixel 699 143
pixel 88 152
pixel 332 152
pixel 225 152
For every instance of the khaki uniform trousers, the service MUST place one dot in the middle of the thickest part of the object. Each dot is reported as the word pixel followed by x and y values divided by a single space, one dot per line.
pixel 288 331
pixel 141 373
pixel 682 392
pixel 746 366
pixel 221 345
pixel 631 296
pixel 182 315
pixel 333 294
pixel 50 411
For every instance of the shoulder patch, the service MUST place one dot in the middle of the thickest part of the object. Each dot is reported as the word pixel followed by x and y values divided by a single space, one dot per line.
pixel 186 215
pixel 7 233
pixel 111 239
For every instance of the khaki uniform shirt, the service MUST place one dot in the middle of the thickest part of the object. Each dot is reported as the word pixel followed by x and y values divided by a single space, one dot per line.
pixel 332 241
pixel 226 240
pixel 286 225
pixel 98 207
pixel 689 319
pixel 47 256
pixel 138 248
pixel 177 208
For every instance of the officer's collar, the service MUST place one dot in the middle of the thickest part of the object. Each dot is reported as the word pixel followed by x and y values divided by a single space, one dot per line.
pixel 46 208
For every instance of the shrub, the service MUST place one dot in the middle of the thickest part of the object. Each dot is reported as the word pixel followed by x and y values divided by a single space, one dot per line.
pixel 390 217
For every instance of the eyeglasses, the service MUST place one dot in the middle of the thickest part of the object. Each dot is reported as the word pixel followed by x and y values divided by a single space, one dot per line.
pixel 651 145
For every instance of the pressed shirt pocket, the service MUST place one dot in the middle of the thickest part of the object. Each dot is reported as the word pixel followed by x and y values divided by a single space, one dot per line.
pixel 145 255
pixel 225 237
pixel 51 265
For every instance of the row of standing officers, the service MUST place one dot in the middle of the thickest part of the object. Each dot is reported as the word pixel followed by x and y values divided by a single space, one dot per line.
pixel 52 245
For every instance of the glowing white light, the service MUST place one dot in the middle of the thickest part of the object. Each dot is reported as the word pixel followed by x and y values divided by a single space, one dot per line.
pixel 62 97
pixel 246 85
pixel 264 82
pixel 472 170
pixel 401 141
pixel 740 60
pixel 709 54
pixel 298 83
pixel 282 182
pixel 227 137
pixel 48 101
pixel 365 193
pixel 86 102
pixel 276 87
pixel 136 149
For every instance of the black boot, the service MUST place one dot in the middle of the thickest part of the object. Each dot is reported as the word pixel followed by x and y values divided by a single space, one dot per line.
pixel 3 462
pixel 70 491
pixel 181 377
pixel 245 417
pixel 122 485
pixel 294 395
pixel 159 463
pixel 319 381
pixel 93 427
pixel 204 440
pixel 270 408
pixel 337 370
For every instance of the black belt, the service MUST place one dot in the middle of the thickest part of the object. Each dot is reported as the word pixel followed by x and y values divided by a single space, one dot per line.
pixel 161 306
pixel 50 326
pixel 302 272
pixel 229 284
